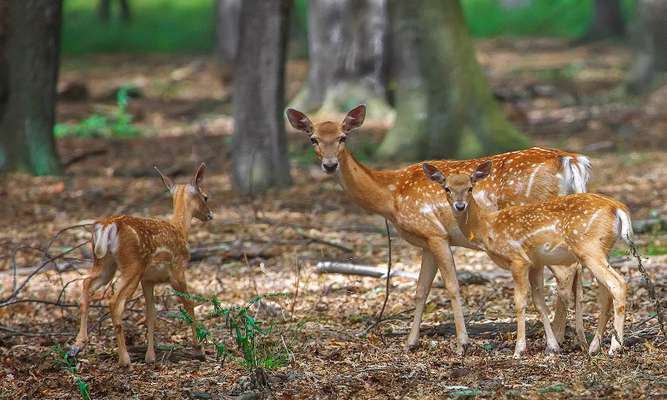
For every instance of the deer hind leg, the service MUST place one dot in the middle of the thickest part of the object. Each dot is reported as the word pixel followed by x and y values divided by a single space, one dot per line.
pixel 611 283
pixel 537 291
pixel 564 280
pixel 578 308
pixel 520 272
pixel 149 296
pixel 102 272
pixel 178 283
pixel 424 283
pixel 128 284
pixel 445 263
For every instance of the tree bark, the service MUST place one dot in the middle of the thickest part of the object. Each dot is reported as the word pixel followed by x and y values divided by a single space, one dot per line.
pixel 346 43
pixel 444 107
pixel 607 20
pixel 650 36
pixel 227 34
pixel 259 141
pixel 29 59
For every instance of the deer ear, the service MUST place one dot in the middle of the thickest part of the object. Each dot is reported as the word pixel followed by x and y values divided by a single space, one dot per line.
pixel 433 173
pixel 199 175
pixel 299 121
pixel 482 171
pixel 354 118
pixel 165 179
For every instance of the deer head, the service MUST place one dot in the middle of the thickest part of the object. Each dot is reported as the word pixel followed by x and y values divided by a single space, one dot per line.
pixel 328 138
pixel 458 187
pixel 191 194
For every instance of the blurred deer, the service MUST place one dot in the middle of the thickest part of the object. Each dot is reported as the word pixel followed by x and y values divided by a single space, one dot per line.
pixel 523 239
pixel 422 217
pixel 147 251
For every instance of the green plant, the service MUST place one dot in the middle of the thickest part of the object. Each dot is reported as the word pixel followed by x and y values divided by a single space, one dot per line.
pixel 118 124
pixel 69 364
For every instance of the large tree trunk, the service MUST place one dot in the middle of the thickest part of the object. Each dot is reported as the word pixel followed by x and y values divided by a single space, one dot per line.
pixel 29 47
pixel 346 45
pixel 227 34
pixel 259 142
pixel 607 20
pixel 650 36
pixel 443 101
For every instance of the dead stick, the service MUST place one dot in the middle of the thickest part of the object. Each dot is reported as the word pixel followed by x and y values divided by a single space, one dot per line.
pixel 650 285
pixel 387 284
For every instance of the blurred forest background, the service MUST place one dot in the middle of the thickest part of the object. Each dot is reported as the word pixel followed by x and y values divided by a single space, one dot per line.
pixel 94 92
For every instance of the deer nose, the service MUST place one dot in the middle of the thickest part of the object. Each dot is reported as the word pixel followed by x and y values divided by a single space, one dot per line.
pixel 460 206
pixel 209 215
pixel 330 166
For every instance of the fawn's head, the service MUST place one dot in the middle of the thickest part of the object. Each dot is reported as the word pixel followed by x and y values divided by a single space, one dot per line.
pixel 192 194
pixel 328 137
pixel 458 187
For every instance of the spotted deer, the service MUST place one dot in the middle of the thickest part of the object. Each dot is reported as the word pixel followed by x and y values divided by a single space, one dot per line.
pixel 578 228
pixel 419 213
pixel 147 251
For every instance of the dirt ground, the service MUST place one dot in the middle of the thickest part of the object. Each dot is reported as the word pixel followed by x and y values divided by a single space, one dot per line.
pixel 563 97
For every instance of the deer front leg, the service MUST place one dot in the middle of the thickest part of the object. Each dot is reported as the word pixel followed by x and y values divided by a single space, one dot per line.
pixel 537 291
pixel 564 296
pixel 521 287
pixel 128 284
pixel 424 283
pixel 445 262
pixel 150 320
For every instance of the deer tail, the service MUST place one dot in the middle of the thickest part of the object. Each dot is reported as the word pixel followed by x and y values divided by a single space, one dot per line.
pixel 576 173
pixel 105 238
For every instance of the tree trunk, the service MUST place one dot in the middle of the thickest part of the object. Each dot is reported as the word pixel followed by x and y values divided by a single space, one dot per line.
pixel 650 36
pixel 29 47
pixel 259 141
pixel 607 20
pixel 346 45
pixel 443 102
pixel 227 34
pixel 104 10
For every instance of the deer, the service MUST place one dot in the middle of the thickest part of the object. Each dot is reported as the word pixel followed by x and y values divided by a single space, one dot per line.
pixel 149 251
pixel 580 228
pixel 414 205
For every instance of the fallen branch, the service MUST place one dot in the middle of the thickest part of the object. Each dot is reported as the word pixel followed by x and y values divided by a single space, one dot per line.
pixel 332 267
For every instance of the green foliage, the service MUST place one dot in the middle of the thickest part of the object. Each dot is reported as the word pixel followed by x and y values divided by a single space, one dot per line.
pixel 250 336
pixel 68 364
pixel 118 124
pixel 557 388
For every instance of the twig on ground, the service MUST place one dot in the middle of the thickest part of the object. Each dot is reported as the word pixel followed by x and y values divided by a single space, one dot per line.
pixel 378 320
pixel 651 287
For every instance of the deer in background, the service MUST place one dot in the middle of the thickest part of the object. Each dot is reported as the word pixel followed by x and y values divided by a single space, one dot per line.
pixel 415 207
pixel 523 239
pixel 147 251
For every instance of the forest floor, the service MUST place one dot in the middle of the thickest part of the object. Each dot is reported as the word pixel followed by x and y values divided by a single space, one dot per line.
pixel 268 245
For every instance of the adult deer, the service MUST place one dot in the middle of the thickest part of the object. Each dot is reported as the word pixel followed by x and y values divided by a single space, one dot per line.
pixel 146 250
pixel 579 228
pixel 422 217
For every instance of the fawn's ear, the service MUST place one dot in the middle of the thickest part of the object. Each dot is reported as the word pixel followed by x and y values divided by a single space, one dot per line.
pixel 433 173
pixel 482 171
pixel 165 179
pixel 199 175
pixel 354 118
pixel 299 121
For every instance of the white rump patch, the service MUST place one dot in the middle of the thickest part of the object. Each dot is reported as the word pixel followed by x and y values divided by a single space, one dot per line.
pixel 624 225
pixel 576 171
pixel 105 238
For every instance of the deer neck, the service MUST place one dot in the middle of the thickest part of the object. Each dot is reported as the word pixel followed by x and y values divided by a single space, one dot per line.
pixel 363 185
pixel 182 217
pixel 475 223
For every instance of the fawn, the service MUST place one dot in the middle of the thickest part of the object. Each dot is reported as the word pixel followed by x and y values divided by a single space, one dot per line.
pixel 416 209
pixel 146 250
pixel 523 239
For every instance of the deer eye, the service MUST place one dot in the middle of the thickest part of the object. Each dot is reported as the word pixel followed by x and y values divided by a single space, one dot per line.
pixel 470 190
pixel 313 140
pixel 205 198
pixel 342 139
pixel 448 190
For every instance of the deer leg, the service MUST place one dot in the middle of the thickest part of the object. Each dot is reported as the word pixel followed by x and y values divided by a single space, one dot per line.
pixel 536 276
pixel 564 279
pixel 521 287
pixel 611 283
pixel 128 284
pixel 102 272
pixel 578 308
pixel 424 283
pixel 178 283
pixel 147 288
pixel 445 262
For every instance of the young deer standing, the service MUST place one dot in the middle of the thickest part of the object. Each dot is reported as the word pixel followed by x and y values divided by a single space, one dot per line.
pixel 415 207
pixel 149 251
pixel 523 239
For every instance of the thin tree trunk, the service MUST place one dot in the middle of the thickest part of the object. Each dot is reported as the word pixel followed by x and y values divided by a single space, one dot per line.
pixel 259 141
pixel 346 42
pixel 650 36
pixel 29 59
pixel 443 102
pixel 607 20
pixel 227 34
